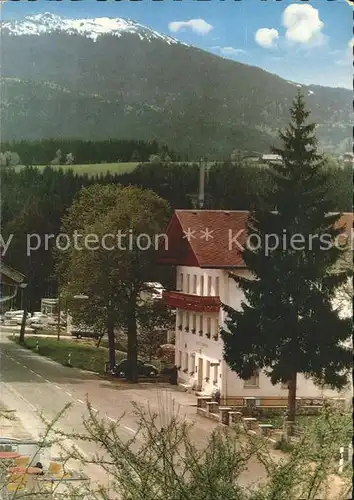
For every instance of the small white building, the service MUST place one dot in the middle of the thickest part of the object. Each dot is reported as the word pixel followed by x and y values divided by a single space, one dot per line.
pixel 203 248
pixel 271 158
pixel 347 158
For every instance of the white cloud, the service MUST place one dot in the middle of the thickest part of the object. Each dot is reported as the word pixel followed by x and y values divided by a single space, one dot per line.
pixel 231 51
pixel 265 37
pixel 347 58
pixel 199 26
pixel 303 24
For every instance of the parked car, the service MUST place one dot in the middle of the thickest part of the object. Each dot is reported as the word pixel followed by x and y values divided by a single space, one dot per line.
pixel 39 318
pixel 144 369
pixel 19 318
pixel 84 332
pixel 12 313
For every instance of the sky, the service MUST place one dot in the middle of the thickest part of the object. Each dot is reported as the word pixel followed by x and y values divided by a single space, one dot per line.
pixel 303 41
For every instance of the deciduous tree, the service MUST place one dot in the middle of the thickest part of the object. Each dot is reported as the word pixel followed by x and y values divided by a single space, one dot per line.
pixel 125 224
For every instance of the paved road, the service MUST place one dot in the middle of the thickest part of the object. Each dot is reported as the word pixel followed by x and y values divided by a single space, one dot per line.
pixel 32 384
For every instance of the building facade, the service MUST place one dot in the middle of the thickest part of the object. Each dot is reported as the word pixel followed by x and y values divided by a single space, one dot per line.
pixel 204 248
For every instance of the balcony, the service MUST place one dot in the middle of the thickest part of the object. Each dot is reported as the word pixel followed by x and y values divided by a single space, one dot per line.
pixel 187 302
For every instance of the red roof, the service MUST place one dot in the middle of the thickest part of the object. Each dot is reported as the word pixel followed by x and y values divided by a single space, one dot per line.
pixel 215 238
pixel 208 245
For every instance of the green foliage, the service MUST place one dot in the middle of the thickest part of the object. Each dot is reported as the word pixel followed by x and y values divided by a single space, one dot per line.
pixel 83 356
pixel 287 324
pixel 113 278
pixel 153 318
pixel 163 460
pixel 284 445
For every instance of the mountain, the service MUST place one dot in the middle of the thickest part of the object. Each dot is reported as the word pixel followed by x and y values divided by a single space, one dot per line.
pixel 101 78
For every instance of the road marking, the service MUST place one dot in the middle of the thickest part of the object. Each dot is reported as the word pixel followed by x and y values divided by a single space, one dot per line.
pixel 47 380
pixel 39 375
pixel 129 429
pixel 69 394
pixel 94 409
pixel 32 371
pixel 57 387
pixel 111 419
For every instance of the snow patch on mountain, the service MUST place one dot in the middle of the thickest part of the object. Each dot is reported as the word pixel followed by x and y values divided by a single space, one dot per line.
pixel 40 24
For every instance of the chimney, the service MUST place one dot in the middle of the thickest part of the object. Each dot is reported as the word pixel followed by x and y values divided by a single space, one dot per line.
pixel 201 195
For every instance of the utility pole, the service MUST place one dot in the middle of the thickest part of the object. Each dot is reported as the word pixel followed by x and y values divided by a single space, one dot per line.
pixel 59 313
pixel 24 316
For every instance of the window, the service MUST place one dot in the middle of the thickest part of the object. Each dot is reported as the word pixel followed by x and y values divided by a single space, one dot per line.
pixel 217 286
pixel 192 367
pixel 187 321
pixel 194 323
pixel 209 325
pixel 216 329
pixel 186 360
pixel 201 325
pixel 188 283
pixel 181 282
pixel 179 318
pixel 180 359
pixel 215 377
pixel 209 285
pixel 252 381
pixel 207 375
pixel 201 285
pixel 194 283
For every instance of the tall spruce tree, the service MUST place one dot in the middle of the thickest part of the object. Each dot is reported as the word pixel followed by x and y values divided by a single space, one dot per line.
pixel 287 324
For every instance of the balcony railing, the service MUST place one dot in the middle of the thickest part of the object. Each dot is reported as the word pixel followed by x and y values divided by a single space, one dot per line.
pixel 196 303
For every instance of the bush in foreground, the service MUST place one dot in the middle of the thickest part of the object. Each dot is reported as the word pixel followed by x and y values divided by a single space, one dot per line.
pixel 164 461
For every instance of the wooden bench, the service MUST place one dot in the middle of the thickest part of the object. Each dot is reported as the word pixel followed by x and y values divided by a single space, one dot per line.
pixel 225 414
pixel 202 401
pixel 213 407
pixel 235 417
pixel 250 423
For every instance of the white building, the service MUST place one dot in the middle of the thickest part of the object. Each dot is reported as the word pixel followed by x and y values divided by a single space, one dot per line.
pixel 202 248
pixel 272 158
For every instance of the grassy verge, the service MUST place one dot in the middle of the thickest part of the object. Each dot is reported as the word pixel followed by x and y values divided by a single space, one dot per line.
pixel 83 355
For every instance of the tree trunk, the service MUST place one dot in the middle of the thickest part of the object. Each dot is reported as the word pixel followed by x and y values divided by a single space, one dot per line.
pixel 292 403
pixel 111 340
pixel 132 351
pixel 23 324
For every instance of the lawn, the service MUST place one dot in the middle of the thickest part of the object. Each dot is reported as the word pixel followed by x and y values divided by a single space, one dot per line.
pixel 94 168
pixel 83 355
pixel 102 168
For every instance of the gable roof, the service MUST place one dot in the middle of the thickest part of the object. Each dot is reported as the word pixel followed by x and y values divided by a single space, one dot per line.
pixel 227 232
pixel 216 250
pixel 208 244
